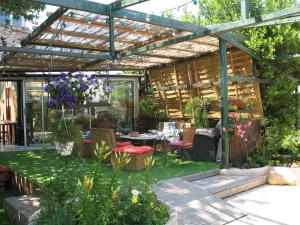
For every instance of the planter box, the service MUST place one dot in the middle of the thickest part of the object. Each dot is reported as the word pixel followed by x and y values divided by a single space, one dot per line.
pixel 5 174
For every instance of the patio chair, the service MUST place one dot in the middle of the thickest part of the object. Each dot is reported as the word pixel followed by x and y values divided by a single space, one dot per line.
pixel 137 153
pixel 169 133
pixel 188 136
pixel 87 144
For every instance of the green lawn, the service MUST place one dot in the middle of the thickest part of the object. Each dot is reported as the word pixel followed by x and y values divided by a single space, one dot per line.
pixel 39 166
pixel 4 220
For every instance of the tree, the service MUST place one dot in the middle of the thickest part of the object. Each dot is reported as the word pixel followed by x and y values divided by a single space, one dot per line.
pixel 21 8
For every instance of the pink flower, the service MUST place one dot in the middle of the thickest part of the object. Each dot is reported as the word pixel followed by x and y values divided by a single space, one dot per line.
pixel 240 126
pixel 250 123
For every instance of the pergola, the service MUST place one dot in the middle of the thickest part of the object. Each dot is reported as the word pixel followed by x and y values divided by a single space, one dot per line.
pixel 85 35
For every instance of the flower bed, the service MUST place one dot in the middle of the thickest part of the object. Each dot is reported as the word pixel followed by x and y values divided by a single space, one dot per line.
pixel 90 198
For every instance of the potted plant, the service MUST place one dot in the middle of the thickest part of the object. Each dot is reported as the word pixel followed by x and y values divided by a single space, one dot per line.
pixel 235 103
pixel 197 109
pixel 67 91
pixel 63 134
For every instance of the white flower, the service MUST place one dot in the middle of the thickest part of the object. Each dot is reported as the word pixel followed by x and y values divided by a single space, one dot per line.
pixel 73 79
pixel 135 192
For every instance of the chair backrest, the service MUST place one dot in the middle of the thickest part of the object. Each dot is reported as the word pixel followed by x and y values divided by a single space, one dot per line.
pixel 102 134
pixel 160 126
pixel 170 127
pixel 188 134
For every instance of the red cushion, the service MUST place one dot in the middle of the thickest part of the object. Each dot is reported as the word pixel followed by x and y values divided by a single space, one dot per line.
pixel 136 150
pixel 123 144
pixel 181 144
pixel 87 141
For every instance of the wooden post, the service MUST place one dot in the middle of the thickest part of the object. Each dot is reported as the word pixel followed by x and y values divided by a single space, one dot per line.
pixel 112 38
pixel 224 101
pixel 245 9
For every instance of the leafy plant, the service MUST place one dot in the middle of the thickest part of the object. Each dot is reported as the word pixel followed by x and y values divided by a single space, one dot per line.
pixel 86 197
pixel 62 130
pixel 291 141
pixel 196 109
pixel 149 114
pixel 28 9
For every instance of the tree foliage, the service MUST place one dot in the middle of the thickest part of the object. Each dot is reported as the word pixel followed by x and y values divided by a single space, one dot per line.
pixel 28 9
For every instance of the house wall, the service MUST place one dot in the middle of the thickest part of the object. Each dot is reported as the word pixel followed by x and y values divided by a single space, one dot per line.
pixel 12 100
pixel 204 72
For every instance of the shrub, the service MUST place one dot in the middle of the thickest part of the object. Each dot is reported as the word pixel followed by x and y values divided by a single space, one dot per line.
pixel 90 198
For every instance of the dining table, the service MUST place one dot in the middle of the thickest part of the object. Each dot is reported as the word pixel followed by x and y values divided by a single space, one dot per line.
pixel 142 138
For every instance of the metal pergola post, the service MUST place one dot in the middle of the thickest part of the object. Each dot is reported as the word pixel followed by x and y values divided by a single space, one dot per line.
pixel 224 102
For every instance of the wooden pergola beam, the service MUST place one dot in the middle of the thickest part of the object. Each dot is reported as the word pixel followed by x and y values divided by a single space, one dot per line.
pixel 295 19
pixel 98 8
pixel 54 53
pixel 67 44
pixel 84 21
pixel 46 24
pixel 84 35
pixel 120 4
pixel 220 30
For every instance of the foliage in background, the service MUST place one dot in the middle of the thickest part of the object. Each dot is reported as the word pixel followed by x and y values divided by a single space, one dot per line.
pixel 149 114
pixel 86 197
pixel 28 9
pixel 197 109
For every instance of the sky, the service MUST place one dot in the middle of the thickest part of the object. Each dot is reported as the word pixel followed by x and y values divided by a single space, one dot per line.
pixel 151 6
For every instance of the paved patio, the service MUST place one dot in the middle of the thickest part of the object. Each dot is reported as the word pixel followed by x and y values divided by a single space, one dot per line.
pixel 268 205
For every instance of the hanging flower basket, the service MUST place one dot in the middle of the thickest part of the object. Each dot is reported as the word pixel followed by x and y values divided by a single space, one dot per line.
pixel 71 89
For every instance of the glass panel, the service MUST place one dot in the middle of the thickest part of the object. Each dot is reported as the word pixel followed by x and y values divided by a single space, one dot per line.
pixel 34 115
pixel 115 110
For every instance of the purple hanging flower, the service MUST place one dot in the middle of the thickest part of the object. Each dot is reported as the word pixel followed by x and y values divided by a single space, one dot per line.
pixel 70 88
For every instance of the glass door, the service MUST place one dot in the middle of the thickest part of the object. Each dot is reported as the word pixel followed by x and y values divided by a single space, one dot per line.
pixel 36 113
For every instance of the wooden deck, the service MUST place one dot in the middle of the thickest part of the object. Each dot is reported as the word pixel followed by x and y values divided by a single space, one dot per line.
pixel 200 201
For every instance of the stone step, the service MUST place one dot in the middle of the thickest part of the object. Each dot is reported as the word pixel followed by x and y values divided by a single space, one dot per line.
pixel 21 208
pixel 225 186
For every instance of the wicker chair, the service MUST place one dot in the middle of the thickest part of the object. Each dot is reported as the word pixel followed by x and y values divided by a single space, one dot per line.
pixel 186 143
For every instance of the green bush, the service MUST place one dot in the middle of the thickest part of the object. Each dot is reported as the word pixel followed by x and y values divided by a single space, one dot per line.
pixel 149 115
pixel 90 198
pixel 291 142
pixel 197 109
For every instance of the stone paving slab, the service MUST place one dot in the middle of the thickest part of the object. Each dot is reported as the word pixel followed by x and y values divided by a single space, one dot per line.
pixel 195 205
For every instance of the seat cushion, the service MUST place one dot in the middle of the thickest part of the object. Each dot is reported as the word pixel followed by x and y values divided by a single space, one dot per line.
pixel 87 141
pixel 181 144
pixel 136 150
pixel 123 143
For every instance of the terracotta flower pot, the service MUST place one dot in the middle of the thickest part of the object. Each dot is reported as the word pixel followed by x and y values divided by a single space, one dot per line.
pixel 4 174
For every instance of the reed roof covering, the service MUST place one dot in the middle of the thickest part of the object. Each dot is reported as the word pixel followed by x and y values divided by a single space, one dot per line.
pixel 81 32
